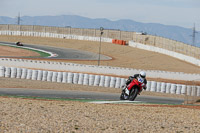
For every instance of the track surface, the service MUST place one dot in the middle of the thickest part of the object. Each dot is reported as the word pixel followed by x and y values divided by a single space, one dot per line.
pixel 84 95
pixel 65 53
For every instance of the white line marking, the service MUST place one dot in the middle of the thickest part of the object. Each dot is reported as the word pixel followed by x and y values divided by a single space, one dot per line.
pixel 106 102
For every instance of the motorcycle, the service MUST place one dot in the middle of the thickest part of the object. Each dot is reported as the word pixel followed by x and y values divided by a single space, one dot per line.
pixel 19 44
pixel 135 88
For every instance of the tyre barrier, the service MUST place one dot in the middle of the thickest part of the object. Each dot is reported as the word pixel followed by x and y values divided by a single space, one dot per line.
pixel 158 88
pixel 198 91
pixel 173 89
pixel 13 72
pixel 2 72
pixel 75 78
pixel 80 79
pixel 49 76
pixel 94 80
pixel 40 75
pixel 54 76
pixel 153 86
pixel 29 74
pixel 91 79
pixel 168 86
pixel 163 87
pixel 24 73
pixel 70 77
pixel 86 79
pixel 102 81
pixel 19 73
pixel 60 76
pixel 148 86
pixel 118 82
pixel 44 76
pixel 64 78
pixel 123 82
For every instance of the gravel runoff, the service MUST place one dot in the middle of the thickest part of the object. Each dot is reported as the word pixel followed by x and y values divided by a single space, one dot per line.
pixel 25 115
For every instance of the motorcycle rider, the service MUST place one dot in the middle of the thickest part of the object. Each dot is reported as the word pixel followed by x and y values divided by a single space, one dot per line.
pixel 140 76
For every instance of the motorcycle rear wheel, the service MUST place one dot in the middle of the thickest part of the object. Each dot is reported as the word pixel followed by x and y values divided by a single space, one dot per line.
pixel 133 94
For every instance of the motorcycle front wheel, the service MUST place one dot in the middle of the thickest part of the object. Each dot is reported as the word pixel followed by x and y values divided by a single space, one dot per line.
pixel 122 95
pixel 133 94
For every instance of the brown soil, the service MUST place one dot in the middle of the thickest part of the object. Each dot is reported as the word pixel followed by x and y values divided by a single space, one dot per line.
pixel 17 52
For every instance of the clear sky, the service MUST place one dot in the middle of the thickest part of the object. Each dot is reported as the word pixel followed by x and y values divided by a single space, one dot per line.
pixel 182 13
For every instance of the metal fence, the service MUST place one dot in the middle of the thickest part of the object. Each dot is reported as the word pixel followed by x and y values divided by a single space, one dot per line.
pixel 157 41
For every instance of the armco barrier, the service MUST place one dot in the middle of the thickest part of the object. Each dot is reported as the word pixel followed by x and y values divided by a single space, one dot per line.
pixel 183 57
pixel 95 80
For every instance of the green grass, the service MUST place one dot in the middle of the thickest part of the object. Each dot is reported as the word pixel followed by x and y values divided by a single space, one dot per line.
pixel 42 54
pixel 43 98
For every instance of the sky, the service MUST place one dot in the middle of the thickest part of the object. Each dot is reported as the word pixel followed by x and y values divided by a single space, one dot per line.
pixel 182 13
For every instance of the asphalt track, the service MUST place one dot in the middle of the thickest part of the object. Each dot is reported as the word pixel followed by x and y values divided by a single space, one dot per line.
pixel 68 94
pixel 63 53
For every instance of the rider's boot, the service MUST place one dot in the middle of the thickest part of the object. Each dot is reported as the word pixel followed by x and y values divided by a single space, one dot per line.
pixel 126 93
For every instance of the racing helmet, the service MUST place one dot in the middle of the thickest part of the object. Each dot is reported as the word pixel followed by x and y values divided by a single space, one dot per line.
pixel 142 74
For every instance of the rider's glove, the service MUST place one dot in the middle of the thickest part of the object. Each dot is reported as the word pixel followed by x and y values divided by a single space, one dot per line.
pixel 144 86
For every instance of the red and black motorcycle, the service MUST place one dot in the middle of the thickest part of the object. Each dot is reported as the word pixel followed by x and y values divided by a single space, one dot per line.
pixel 135 87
